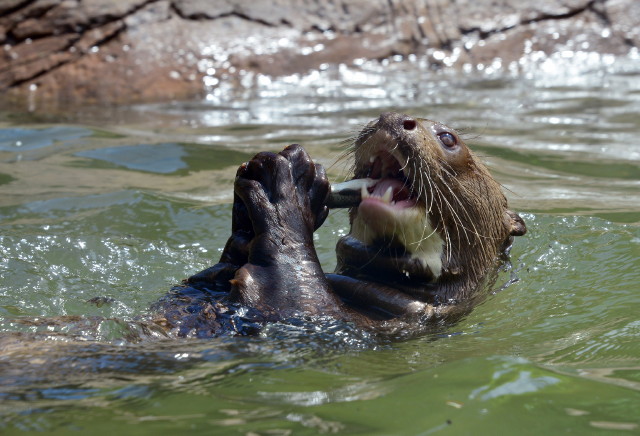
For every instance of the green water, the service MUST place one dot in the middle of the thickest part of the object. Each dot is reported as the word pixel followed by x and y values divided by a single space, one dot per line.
pixel 102 211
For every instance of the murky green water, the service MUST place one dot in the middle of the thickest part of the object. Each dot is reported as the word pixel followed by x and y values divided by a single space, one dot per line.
pixel 102 211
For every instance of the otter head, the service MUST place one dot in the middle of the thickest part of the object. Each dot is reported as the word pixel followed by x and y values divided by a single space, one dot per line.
pixel 431 215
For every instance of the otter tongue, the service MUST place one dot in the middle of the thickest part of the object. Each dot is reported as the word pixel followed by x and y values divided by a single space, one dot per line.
pixel 400 191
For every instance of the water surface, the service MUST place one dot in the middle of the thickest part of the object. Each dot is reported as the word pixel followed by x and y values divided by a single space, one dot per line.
pixel 103 210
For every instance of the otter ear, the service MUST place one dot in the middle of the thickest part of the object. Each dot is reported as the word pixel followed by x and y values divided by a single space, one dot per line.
pixel 516 224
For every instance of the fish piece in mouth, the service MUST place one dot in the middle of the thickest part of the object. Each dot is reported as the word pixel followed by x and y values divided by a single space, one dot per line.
pixel 386 182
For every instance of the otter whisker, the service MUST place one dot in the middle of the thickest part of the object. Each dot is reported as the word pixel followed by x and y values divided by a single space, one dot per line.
pixel 440 201
pixel 464 209
pixel 429 209
pixel 455 216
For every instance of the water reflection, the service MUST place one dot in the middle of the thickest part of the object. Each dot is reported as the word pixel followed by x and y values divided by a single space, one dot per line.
pixel 160 158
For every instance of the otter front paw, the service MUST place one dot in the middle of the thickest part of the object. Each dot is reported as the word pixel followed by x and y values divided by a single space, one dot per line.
pixel 285 194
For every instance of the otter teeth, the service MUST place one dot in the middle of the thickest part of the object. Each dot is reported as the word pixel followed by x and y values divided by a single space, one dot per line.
pixel 388 195
pixel 364 192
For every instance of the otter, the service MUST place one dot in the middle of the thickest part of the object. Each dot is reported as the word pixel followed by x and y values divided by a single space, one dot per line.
pixel 427 225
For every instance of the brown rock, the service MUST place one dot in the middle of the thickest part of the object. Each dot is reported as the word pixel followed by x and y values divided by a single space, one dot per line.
pixel 624 17
pixel 122 51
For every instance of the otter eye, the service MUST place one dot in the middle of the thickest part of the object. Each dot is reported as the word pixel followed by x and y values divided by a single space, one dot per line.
pixel 447 139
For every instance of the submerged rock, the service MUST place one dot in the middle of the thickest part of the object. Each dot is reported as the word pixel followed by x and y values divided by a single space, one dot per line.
pixel 124 51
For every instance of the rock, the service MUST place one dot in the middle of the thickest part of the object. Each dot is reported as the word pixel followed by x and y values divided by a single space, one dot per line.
pixel 624 17
pixel 124 51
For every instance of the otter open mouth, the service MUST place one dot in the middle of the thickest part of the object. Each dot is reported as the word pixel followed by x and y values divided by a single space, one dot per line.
pixel 384 181
pixel 389 187
pixel 388 202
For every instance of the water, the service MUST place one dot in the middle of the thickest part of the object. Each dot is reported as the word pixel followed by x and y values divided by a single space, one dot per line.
pixel 103 210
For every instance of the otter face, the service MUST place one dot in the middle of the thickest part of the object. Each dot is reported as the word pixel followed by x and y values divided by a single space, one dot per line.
pixel 428 202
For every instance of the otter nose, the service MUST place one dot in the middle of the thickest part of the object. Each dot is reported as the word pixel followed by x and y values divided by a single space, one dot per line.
pixel 409 124
pixel 393 120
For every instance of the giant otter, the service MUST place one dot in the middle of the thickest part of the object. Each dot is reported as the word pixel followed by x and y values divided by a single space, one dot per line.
pixel 429 224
